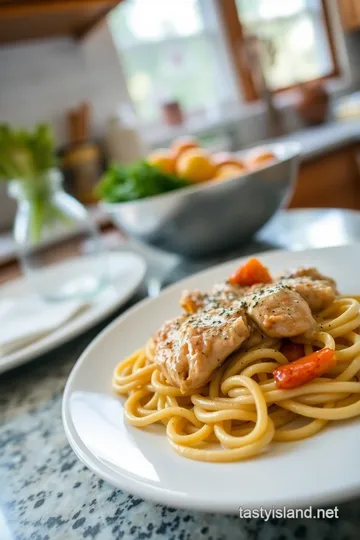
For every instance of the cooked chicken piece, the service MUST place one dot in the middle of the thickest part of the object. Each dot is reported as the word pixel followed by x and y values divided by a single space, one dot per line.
pixel 228 290
pixel 192 301
pixel 319 294
pixel 257 338
pixel 318 290
pixel 222 294
pixel 280 312
pixel 311 273
pixel 189 348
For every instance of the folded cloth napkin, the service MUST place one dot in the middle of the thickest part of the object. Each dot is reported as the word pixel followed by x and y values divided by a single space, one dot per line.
pixel 25 320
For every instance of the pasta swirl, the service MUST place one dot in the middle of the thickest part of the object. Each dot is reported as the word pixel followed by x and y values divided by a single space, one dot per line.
pixel 241 411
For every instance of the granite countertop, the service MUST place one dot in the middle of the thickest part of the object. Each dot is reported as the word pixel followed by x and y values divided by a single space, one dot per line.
pixel 47 494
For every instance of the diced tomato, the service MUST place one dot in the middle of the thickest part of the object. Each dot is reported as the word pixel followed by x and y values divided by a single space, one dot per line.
pixel 304 369
pixel 250 273
pixel 190 306
pixel 292 351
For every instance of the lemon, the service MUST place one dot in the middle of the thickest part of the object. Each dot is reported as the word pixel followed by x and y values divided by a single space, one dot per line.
pixel 260 158
pixel 195 165
pixel 229 170
pixel 227 158
pixel 182 144
pixel 164 159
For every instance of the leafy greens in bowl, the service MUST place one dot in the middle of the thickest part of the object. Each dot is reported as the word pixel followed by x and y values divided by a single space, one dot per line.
pixel 136 181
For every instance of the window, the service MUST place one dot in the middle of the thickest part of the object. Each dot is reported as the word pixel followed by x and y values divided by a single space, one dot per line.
pixel 192 51
pixel 296 37
pixel 172 50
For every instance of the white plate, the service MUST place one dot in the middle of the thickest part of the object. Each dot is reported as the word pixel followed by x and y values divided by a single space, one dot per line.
pixel 127 270
pixel 319 470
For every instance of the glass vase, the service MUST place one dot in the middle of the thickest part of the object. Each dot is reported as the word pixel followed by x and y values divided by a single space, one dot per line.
pixel 50 232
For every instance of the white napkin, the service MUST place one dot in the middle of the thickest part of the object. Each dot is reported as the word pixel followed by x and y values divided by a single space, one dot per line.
pixel 25 320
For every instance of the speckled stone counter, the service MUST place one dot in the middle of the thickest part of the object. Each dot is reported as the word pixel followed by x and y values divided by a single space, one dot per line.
pixel 47 494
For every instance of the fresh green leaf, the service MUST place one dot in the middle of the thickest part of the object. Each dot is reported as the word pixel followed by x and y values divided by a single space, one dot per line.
pixel 137 181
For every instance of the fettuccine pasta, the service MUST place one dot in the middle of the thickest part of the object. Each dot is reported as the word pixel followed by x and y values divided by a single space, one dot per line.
pixel 240 412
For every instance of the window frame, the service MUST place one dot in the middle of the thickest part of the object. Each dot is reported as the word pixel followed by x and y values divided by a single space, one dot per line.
pixel 211 31
pixel 234 33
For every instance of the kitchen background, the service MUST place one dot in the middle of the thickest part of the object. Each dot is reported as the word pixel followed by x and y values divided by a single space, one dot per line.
pixel 57 55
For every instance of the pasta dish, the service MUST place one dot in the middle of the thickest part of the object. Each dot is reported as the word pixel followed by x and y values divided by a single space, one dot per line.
pixel 257 359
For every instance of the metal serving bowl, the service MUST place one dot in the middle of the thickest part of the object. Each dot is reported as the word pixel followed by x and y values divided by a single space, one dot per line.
pixel 213 216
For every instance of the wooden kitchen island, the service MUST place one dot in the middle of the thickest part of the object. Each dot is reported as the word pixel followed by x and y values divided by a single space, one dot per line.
pixel 331 180
pixel 329 172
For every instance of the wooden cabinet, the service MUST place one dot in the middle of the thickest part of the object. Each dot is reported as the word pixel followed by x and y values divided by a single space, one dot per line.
pixel 329 181
pixel 350 14
pixel 32 19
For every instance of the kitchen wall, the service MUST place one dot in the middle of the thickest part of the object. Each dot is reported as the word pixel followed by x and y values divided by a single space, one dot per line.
pixel 39 81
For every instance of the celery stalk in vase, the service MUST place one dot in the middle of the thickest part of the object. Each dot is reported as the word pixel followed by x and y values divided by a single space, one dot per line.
pixel 26 156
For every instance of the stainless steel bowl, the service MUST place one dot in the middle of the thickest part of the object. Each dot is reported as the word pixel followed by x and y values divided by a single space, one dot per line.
pixel 214 216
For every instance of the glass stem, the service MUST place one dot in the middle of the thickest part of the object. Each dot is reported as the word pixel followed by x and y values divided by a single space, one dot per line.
pixel 58 214
pixel 37 216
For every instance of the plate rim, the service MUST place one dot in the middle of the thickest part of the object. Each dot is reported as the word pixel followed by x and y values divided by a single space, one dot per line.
pixel 24 356
pixel 156 494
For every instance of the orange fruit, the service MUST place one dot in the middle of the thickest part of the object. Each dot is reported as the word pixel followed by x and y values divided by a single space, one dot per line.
pixel 260 158
pixel 163 159
pixel 229 170
pixel 180 145
pixel 195 165
pixel 227 158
